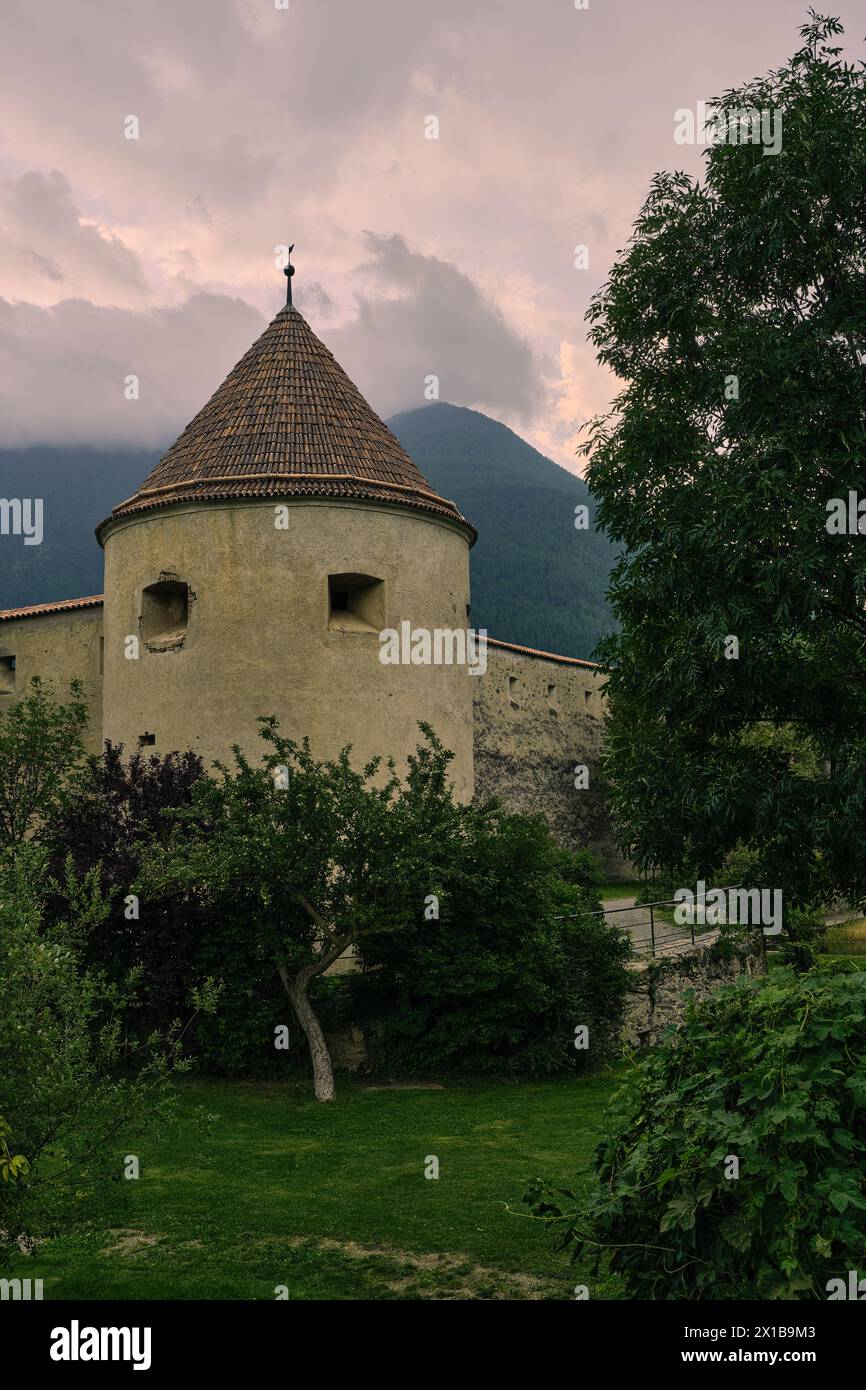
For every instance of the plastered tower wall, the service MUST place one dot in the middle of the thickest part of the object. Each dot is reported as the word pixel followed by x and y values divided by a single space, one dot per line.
pixel 536 719
pixel 58 647
pixel 258 640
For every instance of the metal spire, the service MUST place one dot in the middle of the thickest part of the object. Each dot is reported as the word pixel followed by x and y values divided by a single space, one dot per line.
pixel 289 272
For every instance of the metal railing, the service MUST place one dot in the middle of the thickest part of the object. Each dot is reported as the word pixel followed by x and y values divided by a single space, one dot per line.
pixel 664 937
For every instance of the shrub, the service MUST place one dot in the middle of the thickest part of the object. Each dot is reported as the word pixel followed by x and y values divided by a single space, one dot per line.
pixel 13 1170
pixel 771 1071
pixel 117 811
pixel 803 941
pixel 237 1039
pixel 60 1097
pixel 41 744
pixel 739 868
pixel 501 979
pixel 116 808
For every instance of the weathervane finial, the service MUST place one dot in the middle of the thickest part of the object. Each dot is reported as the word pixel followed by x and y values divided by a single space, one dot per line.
pixel 289 272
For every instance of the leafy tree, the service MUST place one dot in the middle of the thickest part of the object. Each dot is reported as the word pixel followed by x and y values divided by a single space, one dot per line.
pixel 172 941
pixel 41 743
pixel 736 321
pixel 325 853
pixel 771 1073
pixel 12 1166
pixel 514 960
pixel 13 1170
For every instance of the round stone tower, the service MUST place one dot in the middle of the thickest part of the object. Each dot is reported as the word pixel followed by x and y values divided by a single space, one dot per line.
pixel 256 567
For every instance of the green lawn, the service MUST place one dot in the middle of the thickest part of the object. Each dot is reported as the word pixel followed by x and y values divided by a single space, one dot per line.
pixel 331 1201
pixel 629 888
pixel 848 963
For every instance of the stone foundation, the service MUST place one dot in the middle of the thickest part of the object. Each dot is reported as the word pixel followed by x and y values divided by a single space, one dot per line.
pixel 662 985
pixel 348 1049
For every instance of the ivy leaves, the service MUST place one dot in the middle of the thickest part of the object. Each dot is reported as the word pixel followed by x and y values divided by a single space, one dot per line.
pixel 793 1116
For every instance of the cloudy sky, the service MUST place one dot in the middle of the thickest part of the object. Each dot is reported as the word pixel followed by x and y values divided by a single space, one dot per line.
pixel 259 125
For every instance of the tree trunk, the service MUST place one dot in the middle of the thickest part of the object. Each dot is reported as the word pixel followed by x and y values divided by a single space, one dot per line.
pixel 323 1072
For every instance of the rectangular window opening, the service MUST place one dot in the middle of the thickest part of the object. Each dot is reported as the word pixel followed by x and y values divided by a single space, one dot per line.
pixel 7 675
pixel 356 603
pixel 165 613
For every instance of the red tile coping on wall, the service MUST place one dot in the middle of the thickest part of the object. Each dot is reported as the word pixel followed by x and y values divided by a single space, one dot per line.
pixel 547 656
pixel 36 610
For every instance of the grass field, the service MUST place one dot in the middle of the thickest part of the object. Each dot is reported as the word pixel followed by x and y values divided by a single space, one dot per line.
pixel 331 1201
pixel 629 888
pixel 848 963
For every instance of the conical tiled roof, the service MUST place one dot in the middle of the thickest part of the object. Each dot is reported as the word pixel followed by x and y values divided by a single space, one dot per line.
pixel 286 422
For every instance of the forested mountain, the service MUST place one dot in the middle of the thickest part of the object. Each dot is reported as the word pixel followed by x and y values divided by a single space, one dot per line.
pixel 535 579
pixel 79 487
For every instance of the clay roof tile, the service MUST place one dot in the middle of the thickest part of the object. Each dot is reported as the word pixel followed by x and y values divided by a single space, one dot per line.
pixel 287 421
pixel 36 610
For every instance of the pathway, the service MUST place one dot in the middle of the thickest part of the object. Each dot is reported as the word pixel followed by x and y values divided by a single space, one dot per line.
pixel 671 940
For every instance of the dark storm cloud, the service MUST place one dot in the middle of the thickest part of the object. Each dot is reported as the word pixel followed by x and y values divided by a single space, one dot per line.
pixel 424 317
